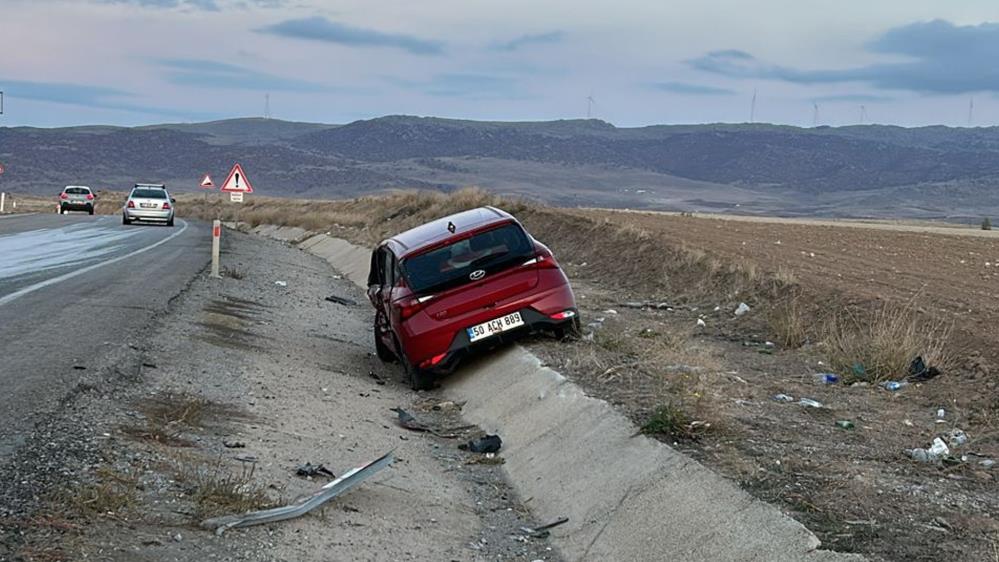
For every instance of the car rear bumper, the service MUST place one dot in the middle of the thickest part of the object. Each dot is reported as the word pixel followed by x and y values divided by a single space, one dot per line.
pixel 453 341
pixel 76 206
pixel 148 214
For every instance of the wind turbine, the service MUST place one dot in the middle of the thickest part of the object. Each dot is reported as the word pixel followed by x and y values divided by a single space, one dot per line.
pixel 971 110
pixel 589 106
pixel 752 108
pixel 815 114
pixel 863 114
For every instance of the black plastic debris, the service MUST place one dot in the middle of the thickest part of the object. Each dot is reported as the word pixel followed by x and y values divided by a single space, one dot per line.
pixel 309 469
pixel 233 444
pixel 407 421
pixel 378 380
pixel 341 300
pixel 919 371
pixel 487 444
pixel 542 531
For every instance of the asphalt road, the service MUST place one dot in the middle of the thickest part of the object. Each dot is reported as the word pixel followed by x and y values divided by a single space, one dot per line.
pixel 74 289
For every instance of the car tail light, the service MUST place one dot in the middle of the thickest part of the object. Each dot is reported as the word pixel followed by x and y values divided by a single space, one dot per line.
pixel 436 359
pixel 131 204
pixel 90 197
pixel 63 196
pixel 564 315
pixel 409 307
pixel 544 260
pixel 166 205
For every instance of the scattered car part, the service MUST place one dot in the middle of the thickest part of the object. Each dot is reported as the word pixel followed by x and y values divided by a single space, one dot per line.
pixel 304 504
pixel 486 444
pixel 312 470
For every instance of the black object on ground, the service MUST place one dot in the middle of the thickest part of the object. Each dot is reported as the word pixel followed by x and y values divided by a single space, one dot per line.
pixel 487 444
pixel 919 371
pixel 378 380
pixel 341 300
pixel 309 469
pixel 407 421
pixel 542 531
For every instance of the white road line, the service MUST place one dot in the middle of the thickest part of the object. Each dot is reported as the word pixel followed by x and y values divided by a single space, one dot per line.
pixel 12 215
pixel 42 284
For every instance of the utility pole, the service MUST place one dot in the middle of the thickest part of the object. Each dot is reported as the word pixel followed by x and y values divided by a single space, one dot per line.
pixel 267 106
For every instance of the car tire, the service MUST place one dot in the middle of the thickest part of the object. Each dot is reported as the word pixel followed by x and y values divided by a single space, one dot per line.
pixel 568 331
pixel 170 222
pixel 90 211
pixel 417 377
pixel 381 350
pixel 124 220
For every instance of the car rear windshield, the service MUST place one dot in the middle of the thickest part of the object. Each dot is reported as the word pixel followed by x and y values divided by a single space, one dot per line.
pixel 77 190
pixel 449 266
pixel 149 194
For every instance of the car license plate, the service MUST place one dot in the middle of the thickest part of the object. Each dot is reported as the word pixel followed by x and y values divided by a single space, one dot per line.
pixel 495 326
pixel 148 205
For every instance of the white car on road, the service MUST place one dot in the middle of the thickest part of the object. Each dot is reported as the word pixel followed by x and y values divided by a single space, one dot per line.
pixel 148 202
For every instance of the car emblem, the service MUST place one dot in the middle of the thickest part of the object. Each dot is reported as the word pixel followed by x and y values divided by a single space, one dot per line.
pixel 477 274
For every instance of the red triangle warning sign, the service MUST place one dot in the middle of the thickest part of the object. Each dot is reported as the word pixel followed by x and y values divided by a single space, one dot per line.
pixel 207 182
pixel 237 181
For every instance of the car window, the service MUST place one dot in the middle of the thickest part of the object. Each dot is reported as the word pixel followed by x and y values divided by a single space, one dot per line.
pixel 149 193
pixel 451 265
pixel 77 190
pixel 388 267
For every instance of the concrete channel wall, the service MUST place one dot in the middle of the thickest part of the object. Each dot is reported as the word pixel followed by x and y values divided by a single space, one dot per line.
pixel 627 497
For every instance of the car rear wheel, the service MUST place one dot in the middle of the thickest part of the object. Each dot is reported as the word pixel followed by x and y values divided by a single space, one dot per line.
pixel 384 353
pixel 170 222
pixel 91 211
pixel 568 331
pixel 124 220
pixel 418 378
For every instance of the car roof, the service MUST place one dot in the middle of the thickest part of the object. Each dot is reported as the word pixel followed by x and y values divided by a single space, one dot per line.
pixel 149 186
pixel 74 186
pixel 435 232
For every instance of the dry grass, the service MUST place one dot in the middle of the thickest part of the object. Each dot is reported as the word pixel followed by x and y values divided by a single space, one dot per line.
pixel 218 489
pixel 788 322
pixel 882 346
pixel 111 493
pixel 169 416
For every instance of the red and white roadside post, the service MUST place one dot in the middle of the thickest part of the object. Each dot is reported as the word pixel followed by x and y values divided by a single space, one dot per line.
pixel 216 238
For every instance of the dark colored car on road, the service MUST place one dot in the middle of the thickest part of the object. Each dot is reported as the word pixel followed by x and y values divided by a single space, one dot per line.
pixel 460 283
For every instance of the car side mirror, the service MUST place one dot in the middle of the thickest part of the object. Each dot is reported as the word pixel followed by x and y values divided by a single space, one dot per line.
pixel 172 200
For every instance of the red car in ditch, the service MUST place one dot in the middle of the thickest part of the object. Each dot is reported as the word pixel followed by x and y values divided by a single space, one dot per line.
pixel 463 282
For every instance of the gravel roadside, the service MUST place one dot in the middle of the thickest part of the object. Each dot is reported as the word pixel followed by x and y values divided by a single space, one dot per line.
pixel 240 382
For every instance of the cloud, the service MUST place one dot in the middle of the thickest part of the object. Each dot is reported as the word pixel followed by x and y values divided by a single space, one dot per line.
pixel 939 58
pixel 321 29
pixel 210 74
pixel 206 5
pixel 690 89
pixel 854 98
pixel 85 96
pixel 530 39
pixel 464 85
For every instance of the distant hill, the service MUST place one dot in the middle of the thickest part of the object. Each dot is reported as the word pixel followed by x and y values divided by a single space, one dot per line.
pixel 748 168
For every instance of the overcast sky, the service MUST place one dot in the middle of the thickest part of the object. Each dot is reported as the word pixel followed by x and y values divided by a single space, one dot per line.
pixel 134 62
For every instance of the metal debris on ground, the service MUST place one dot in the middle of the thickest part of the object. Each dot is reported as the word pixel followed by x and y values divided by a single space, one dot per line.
pixel 311 470
pixel 957 437
pixel 341 300
pixel 844 424
pixel 934 453
pixel 743 308
pixel 281 283
pixel 783 398
pixel 808 402
pixel 304 504
pixel 543 531
pixel 407 421
pixel 486 444
pixel 892 386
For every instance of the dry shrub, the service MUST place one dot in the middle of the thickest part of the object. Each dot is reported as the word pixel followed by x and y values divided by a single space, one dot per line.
pixel 788 322
pixel 885 343
pixel 112 492
pixel 217 489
